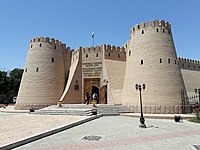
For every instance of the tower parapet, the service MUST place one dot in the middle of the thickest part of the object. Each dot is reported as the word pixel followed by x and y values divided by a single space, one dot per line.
pixel 114 52
pixel 189 64
pixel 152 60
pixel 56 44
pixel 44 74
pixel 158 26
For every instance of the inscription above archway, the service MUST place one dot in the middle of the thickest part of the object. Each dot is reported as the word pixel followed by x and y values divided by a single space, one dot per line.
pixel 92 69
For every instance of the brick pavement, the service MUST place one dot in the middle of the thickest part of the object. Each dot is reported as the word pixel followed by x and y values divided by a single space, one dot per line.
pixel 122 133
pixel 18 126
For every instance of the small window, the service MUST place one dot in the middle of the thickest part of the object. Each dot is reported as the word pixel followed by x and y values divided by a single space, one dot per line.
pixel 33 40
pixel 96 54
pixel 138 26
pixel 109 54
pixel 168 61
pixel 193 66
pixel 76 87
pixel 163 30
pixel 175 62
pixel 141 63
pixel 142 32
pixel 118 55
pixel 169 32
pixel 182 65
pixel 31 46
pixel 86 55
pixel 26 70
pixel 40 44
pixel 160 61
pixel 52 59
pixel 129 53
pixel 37 69
pixel 199 67
pixel 188 65
pixel 156 29
pixel 55 47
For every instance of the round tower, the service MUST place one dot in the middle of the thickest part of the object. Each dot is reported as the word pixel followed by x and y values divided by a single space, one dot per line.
pixel 152 60
pixel 43 79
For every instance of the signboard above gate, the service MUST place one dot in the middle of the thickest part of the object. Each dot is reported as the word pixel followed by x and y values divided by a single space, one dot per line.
pixel 92 69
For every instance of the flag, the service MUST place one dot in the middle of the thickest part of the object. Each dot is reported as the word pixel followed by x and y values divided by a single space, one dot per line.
pixel 92 34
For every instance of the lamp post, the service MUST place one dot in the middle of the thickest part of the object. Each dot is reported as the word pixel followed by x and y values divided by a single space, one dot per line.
pixel 197 91
pixel 140 88
pixel 105 92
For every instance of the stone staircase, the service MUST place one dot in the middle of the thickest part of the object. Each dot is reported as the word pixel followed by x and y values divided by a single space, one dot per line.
pixel 112 110
pixel 82 110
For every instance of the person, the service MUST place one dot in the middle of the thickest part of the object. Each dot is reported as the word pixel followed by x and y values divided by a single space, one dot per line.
pixel 94 99
pixel 6 102
pixel 94 96
pixel 87 98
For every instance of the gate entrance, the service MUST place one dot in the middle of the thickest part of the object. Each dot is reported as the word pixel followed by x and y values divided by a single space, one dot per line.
pixel 91 86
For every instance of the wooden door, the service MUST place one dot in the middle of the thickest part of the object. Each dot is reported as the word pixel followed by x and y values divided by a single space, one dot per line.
pixel 88 84
pixel 103 95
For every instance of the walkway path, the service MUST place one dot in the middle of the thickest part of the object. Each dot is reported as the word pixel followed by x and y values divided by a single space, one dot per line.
pixel 116 132
pixel 122 133
pixel 16 127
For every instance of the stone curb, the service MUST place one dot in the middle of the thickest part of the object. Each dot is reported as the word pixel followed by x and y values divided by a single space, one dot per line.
pixel 45 134
pixel 195 147
pixel 171 116
pixel 14 111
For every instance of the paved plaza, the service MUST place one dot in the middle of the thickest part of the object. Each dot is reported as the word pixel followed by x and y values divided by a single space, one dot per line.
pixel 122 133
pixel 16 127
pixel 64 132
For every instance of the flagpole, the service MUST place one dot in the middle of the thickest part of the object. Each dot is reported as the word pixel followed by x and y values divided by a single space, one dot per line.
pixel 93 41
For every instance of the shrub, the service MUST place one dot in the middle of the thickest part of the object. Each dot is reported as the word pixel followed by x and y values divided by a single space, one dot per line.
pixel 196 118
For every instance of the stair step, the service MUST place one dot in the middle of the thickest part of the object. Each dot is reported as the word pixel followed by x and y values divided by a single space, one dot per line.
pixel 82 110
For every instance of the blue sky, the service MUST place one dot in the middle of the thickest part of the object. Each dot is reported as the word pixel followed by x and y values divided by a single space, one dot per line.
pixel 72 22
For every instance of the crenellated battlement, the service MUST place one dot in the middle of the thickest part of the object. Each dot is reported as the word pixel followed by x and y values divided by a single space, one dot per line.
pixel 75 52
pixel 48 40
pixel 189 64
pixel 192 61
pixel 114 52
pixel 68 50
pixel 114 48
pixel 91 49
pixel 161 26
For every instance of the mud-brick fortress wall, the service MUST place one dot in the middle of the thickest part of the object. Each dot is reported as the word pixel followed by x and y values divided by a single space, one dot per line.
pixel 152 60
pixel 190 70
pixel 92 62
pixel 44 74
pixel 92 72
pixel 114 64
pixel 73 89
pixel 106 63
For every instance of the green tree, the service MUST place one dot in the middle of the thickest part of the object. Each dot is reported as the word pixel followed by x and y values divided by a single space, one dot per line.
pixel 4 86
pixel 9 84
pixel 4 82
pixel 15 78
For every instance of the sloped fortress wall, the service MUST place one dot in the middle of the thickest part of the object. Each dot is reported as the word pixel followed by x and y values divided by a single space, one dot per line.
pixel 73 90
pixel 44 74
pixel 152 60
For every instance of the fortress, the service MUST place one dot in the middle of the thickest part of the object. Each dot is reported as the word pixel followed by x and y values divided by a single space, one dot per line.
pixel 54 73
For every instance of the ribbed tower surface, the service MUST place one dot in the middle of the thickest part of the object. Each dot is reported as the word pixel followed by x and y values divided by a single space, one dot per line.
pixel 44 74
pixel 152 60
